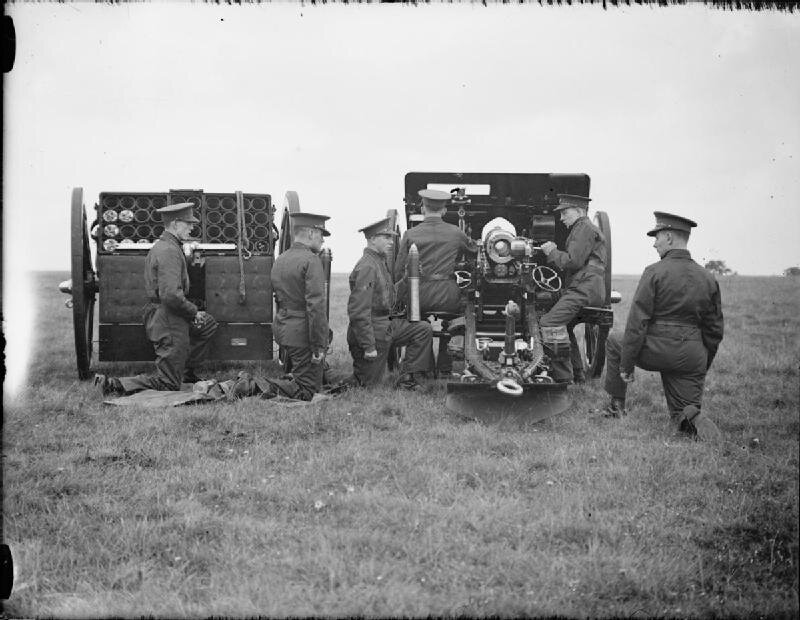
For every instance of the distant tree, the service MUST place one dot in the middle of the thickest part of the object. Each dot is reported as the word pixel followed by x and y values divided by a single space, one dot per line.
pixel 718 267
pixel 792 272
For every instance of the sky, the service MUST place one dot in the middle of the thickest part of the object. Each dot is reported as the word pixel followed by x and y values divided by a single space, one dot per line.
pixel 685 109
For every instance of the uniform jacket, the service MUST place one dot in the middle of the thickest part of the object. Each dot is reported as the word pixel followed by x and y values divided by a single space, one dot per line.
pixel 166 278
pixel 674 293
pixel 440 245
pixel 585 246
pixel 372 297
pixel 298 283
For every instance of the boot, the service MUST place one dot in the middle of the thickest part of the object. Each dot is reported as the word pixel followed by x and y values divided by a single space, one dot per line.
pixel 109 386
pixel 242 387
pixel 189 376
pixel 699 425
pixel 408 382
pixel 615 408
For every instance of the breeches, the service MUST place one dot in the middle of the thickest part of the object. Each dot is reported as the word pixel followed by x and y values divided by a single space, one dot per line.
pixel 306 377
pixel 177 346
pixel 682 364
pixel 416 337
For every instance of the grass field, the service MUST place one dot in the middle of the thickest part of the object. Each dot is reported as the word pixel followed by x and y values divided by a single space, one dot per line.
pixel 378 503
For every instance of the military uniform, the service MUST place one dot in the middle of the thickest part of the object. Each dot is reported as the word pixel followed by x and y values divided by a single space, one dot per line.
pixel 301 323
pixel 440 245
pixel 583 263
pixel 179 345
pixel 674 326
pixel 372 297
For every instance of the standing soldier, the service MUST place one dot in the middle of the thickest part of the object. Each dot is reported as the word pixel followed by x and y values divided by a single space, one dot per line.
pixel 301 323
pixel 583 262
pixel 440 245
pixel 674 326
pixel 178 330
pixel 372 332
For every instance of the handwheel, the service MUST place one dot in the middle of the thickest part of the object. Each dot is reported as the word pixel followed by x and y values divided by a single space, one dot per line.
pixel 291 204
pixel 601 221
pixel 84 285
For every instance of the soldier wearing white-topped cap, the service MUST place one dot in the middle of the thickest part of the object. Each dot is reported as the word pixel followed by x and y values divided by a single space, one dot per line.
pixel 180 333
pixel 674 326
pixel 440 245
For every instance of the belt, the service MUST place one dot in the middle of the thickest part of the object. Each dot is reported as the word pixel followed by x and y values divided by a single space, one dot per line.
pixel 290 313
pixel 672 323
pixel 436 277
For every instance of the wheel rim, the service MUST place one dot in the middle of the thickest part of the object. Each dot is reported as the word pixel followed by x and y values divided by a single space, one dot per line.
pixel 83 285
pixel 602 222
pixel 595 345
pixel 291 204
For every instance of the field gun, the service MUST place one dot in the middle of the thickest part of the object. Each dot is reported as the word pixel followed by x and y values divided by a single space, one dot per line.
pixel 506 287
pixel 229 262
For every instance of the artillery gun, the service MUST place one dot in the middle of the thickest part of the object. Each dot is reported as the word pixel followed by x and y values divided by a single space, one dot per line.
pixel 229 262
pixel 506 288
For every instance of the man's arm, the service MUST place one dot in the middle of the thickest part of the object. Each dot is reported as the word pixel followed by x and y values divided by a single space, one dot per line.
pixel 359 306
pixel 468 245
pixel 315 305
pixel 170 267
pixel 579 247
pixel 639 317
pixel 712 325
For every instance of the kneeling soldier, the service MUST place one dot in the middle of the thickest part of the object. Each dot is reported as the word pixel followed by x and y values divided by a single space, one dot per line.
pixel 372 332
pixel 674 326
pixel 301 323
pixel 178 330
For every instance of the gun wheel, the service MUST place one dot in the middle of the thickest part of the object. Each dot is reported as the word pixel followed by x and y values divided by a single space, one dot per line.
pixel 84 286
pixel 602 222
pixel 595 342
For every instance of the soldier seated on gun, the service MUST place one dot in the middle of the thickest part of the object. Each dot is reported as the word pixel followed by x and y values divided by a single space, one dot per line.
pixel 372 332
pixel 180 333
pixel 440 245
pixel 583 261
pixel 674 326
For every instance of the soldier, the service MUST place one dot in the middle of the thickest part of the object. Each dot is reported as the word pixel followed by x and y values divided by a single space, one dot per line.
pixel 301 324
pixel 178 330
pixel 440 245
pixel 372 332
pixel 583 262
pixel 674 326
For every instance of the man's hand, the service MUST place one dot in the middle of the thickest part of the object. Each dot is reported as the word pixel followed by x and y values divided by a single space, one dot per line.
pixel 371 354
pixel 547 247
pixel 199 318
pixel 317 357
pixel 627 377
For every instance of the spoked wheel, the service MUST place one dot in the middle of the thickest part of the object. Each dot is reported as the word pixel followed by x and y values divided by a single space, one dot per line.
pixel 601 221
pixel 291 204
pixel 393 358
pixel 595 342
pixel 84 285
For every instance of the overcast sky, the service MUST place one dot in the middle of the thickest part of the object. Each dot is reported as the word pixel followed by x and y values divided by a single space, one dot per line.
pixel 684 109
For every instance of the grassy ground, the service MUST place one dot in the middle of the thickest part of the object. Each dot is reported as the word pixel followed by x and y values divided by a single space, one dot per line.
pixel 378 503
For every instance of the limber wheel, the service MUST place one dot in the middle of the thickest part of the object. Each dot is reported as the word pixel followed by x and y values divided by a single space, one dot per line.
pixel 84 285
pixel 291 204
